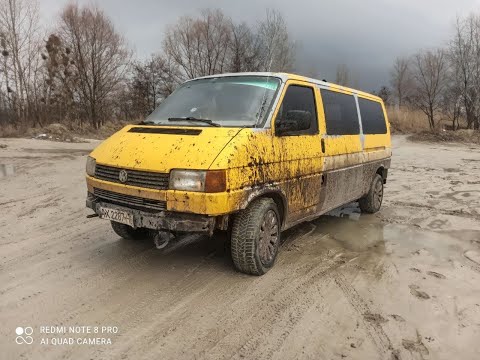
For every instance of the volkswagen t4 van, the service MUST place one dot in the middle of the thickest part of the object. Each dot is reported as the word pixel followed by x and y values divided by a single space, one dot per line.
pixel 249 154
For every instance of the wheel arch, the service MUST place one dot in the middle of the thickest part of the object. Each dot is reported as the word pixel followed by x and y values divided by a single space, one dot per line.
pixel 383 172
pixel 276 195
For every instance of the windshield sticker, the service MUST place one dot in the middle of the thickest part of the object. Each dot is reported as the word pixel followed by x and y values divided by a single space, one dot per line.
pixel 266 85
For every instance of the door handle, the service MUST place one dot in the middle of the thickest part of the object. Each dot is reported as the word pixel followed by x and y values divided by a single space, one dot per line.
pixel 322 142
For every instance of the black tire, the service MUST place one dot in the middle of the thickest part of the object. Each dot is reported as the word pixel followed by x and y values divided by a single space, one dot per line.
pixel 256 237
pixel 372 202
pixel 129 233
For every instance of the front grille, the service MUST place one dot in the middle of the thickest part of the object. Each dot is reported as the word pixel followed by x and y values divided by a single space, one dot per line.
pixel 132 201
pixel 144 179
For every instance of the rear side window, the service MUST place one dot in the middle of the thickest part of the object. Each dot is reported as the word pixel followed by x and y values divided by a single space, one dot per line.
pixel 340 113
pixel 373 118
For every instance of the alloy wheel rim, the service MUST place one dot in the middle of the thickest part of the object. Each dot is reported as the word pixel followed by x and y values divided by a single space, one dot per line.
pixel 268 237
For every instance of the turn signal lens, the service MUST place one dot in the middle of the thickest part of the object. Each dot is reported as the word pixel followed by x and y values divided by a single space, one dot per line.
pixel 215 181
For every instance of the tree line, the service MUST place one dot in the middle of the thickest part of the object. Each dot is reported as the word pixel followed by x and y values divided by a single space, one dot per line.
pixel 83 73
pixel 443 83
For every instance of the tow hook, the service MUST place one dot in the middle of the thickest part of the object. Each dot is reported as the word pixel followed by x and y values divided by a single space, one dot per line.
pixel 162 238
pixel 92 216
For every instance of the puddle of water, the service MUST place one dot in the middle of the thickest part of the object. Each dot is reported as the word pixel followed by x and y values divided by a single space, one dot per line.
pixel 346 234
pixel 346 229
pixel 6 170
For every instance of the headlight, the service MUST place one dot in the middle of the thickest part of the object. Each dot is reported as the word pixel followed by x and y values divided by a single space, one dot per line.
pixel 210 181
pixel 91 164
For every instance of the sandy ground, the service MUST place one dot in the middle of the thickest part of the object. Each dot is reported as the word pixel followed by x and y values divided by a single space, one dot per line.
pixel 401 284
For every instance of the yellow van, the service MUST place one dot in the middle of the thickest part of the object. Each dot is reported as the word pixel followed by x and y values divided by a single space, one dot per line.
pixel 249 154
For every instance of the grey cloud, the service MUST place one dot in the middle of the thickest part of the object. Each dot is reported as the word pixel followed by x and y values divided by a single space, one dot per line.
pixel 365 35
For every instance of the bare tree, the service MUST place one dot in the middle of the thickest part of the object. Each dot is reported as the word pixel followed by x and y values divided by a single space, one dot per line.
pixel 401 79
pixel 278 51
pixel 429 73
pixel 19 41
pixel 343 75
pixel 451 105
pixel 152 80
pixel 100 56
pixel 245 49
pixel 465 57
pixel 199 46
pixel 385 94
pixel 212 44
pixel 81 71
pixel 58 83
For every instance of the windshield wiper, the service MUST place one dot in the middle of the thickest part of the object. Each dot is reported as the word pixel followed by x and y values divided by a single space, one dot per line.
pixel 191 118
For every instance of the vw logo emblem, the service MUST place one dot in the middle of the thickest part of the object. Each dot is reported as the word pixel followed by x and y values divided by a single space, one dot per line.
pixel 123 176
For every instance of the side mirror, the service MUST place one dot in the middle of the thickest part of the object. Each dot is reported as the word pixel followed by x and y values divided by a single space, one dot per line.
pixel 295 120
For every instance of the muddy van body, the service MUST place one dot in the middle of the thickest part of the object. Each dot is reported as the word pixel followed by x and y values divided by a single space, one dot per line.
pixel 248 154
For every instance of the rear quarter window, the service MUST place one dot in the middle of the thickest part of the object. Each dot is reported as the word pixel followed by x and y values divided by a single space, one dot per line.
pixel 341 116
pixel 373 117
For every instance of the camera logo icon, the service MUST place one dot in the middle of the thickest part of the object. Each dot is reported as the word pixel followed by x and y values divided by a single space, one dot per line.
pixel 24 335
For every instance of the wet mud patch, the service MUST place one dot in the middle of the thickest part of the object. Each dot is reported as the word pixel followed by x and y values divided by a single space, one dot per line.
pixel 416 346
pixel 415 291
pixel 451 170
pixel 436 275
pixel 375 318
pixel 395 355
pixel 397 317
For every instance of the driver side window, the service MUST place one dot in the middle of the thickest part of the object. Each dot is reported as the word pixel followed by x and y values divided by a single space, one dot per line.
pixel 297 114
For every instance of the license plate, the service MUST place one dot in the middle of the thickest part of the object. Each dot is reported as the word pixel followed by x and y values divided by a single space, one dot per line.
pixel 120 216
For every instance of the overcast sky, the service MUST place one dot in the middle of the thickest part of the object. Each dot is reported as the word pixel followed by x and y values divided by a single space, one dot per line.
pixel 365 35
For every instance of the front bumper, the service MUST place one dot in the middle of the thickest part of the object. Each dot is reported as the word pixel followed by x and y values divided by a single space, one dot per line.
pixel 210 204
pixel 163 220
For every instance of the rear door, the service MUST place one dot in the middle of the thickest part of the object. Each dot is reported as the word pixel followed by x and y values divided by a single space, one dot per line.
pixel 375 137
pixel 374 125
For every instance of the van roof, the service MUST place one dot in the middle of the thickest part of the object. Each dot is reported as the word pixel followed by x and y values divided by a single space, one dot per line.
pixel 289 76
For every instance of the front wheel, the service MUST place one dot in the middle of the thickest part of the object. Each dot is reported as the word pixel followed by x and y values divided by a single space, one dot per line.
pixel 371 202
pixel 128 232
pixel 256 237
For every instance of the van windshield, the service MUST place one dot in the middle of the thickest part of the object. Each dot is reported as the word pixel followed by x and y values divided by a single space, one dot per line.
pixel 225 101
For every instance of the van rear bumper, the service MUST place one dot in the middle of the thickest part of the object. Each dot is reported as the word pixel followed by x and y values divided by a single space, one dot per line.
pixel 163 220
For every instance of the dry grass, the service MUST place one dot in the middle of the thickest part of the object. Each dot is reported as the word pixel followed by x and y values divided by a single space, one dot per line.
pixel 406 121
pixel 104 132
pixel 415 122
pixel 12 131
pixel 402 121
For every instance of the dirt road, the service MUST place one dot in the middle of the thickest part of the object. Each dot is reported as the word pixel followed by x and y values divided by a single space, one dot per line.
pixel 402 284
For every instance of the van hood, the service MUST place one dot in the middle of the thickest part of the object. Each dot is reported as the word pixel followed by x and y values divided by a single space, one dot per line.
pixel 161 148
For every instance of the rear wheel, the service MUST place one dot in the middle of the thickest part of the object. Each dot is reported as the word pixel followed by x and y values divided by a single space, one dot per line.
pixel 256 237
pixel 128 232
pixel 372 202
